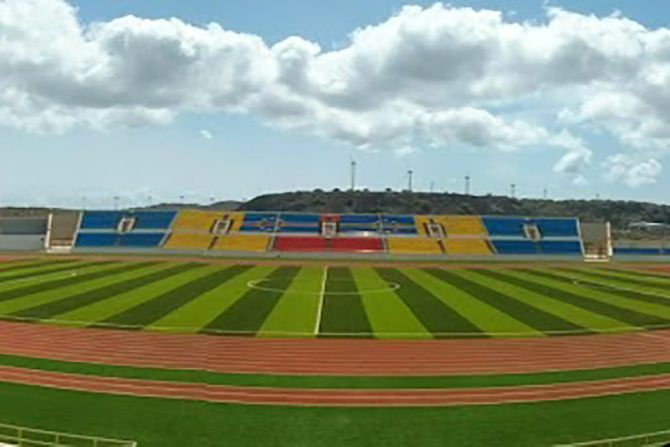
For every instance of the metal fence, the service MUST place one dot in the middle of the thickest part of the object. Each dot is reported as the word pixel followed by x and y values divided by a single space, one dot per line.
pixel 28 437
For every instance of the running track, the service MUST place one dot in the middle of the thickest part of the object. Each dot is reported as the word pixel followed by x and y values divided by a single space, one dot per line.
pixel 332 357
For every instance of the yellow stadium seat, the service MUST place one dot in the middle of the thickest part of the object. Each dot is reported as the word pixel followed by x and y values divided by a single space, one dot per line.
pixel 467 246
pixel 242 242
pixel 421 222
pixel 462 225
pixel 414 245
pixel 189 241
pixel 203 221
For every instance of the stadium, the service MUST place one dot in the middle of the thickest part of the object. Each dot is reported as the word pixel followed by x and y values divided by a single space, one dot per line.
pixel 334 224
pixel 273 316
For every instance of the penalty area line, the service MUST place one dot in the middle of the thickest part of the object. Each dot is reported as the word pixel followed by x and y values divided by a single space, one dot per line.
pixel 322 294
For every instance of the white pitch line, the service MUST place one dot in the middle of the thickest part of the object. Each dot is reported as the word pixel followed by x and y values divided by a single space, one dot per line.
pixel 321 297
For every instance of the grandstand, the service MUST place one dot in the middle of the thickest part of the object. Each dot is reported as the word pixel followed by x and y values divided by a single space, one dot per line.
pixel 282 233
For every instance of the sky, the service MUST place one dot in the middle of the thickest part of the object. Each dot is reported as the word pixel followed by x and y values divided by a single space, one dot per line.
pixel 166 101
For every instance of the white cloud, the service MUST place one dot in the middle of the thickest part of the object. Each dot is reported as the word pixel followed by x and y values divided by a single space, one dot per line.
pixel 434 76
pixel 632 172
pixel 205 134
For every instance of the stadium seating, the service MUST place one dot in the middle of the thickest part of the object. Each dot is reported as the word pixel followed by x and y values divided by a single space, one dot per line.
pixel 467 247
pixel 259 232
pixel 259 222
pixel 504 226
pixel 242 242
pixel 356 244
pixel 462 225
pixel 399 225
pixel 516 247
pixel 196 241
pixel 414 245
pixel 555 247
pixel 300 244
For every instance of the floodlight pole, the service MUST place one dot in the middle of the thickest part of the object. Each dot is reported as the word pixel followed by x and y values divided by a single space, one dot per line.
pixel 409 179
pixel 353 174
pixel 467 185
pixel 513 190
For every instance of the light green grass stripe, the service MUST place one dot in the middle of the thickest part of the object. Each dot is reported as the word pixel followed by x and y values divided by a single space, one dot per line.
pixel 198 312
pixel 650 309
pixel 574 314
pixel 41 298
pixel 631 283
pixel 46 275
pixel 387 313
pixel 296 312
pixel 485 317
pixel 105 309
pixel 32 269
pixel 23 267
pixel 638 275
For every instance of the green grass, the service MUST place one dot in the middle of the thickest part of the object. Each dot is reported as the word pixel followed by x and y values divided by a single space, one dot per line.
pixel 156 422
pixel 356 301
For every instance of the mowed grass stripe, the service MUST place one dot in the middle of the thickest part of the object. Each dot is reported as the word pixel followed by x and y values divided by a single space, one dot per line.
pixel 99 270
pixel 389 316
pixel 122 284
pixel 582 318
pixel 343 312
pixel 10 307
pixel 490 321
pixel 199 312
pixel 635 287
pixel 150 311
pixel 589 299
pixel 433 313
pixel 296 312
pixel 105 309
pixel 45 275
pixel 13 268
pixel 519 310
pixel 247 315
pixel 638 276
pixel 36 271
pixel 626 298
pixel 640 272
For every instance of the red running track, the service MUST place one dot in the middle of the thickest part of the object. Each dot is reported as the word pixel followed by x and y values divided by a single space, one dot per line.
pixel 333 357
pixel 333 397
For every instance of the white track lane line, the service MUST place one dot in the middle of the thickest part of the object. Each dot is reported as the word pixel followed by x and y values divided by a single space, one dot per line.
pixel 322 294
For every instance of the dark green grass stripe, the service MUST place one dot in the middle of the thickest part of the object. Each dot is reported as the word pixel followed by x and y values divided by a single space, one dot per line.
pixel 67 304
pixel 433 313
pixel 49 267
pixel 73 280
pixel 532 316
pixel 626 275
pixel 643 273
pixel 343 310
pixel 251 310
pixel 611 290
pixel 155 309
pixel 624 315
pixel 626 289
pixel 334 382
pixel 29 265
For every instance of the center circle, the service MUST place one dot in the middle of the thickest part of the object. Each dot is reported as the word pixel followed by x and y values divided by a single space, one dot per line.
pixel 269 285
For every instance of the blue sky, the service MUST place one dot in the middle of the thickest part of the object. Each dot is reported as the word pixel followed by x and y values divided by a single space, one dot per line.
pixel 54 154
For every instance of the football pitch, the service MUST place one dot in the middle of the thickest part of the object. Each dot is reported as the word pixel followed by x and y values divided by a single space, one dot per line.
pixel 312 300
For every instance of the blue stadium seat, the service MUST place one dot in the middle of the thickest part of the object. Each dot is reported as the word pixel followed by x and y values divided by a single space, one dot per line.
pixel 557 227
pixel 359 219
pixel 561 247
pixel 101 220
pixel 512 247
pixel 153 220
pixel 300 218
pixel 504 226
pixel 97 240
pixel 141 240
